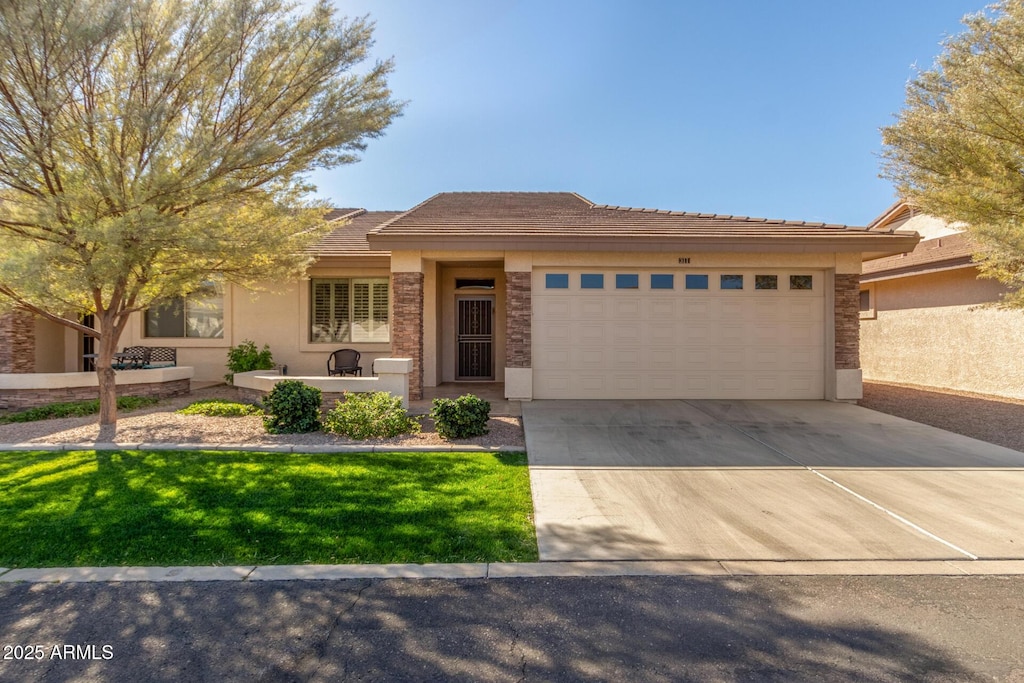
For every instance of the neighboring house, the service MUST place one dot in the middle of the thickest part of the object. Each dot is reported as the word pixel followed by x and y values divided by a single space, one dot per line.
pixel 555 297
pixel 927 319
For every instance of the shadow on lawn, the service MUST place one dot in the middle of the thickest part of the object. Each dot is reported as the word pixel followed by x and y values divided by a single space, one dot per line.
pixel 607 629
pixel 168 508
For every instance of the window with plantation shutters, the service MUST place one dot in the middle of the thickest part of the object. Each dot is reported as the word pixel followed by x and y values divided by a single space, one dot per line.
pixel 349 310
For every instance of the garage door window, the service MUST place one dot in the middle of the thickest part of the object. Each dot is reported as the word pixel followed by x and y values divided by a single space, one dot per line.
pixel 591 281
pixel 663 281
pixel 732 282
pixel 627 281
pixel 556 281
pixel 696 281
pixel 766 282
pixel 801 282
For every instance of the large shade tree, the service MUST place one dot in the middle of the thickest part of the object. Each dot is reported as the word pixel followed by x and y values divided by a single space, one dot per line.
pixel 957 148
pixel 147 146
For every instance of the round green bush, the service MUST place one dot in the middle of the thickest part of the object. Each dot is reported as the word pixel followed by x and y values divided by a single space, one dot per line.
pixel 375 415
pixel 292 408
pixel 462 417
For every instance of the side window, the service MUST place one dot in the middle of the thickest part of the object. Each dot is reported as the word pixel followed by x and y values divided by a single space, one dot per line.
pixel 198 315
pixel 867 303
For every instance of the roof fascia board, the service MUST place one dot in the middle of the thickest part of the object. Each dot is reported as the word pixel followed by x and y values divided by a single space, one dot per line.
pixel 919 269
pixel 882 244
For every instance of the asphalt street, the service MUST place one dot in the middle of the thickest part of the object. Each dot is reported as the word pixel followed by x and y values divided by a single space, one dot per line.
pixel 924 628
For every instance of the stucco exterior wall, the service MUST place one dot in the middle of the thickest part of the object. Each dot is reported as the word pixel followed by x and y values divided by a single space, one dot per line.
pixel 278 316
pixel 50 340
pixel 935 331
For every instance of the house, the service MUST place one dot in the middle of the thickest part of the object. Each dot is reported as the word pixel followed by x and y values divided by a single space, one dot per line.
pixel 927 318
pixel 555 297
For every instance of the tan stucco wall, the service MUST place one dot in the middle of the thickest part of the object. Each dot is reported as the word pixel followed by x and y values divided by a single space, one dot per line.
pixel 933 330
pixel 50 339
pixel 929 227
pixel 278 316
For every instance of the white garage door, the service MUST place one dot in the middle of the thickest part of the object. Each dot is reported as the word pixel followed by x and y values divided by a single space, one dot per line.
pixel 686 334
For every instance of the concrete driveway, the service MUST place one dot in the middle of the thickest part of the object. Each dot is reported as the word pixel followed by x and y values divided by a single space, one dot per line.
pixel 765 480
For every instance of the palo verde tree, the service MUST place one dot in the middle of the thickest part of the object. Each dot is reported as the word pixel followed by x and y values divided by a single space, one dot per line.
pixel 956 150
pixel 149 145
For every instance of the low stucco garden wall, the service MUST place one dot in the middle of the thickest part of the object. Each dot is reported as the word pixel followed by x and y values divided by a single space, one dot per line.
pixel 392 377
pixel 19 391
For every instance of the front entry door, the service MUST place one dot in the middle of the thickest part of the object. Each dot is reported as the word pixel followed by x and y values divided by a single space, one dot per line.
pixel 474 350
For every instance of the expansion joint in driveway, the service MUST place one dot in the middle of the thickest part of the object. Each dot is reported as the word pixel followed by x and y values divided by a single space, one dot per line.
pixel 846 489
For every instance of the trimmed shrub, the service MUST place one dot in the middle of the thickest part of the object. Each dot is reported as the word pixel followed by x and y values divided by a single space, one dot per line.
pixel 292 408
pixel 462 417
pixel 219 407
pixel 369 416
pixel 246 357
pixel 75 409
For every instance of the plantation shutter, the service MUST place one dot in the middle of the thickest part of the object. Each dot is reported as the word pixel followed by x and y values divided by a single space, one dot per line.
pixel 361 311
pixel 342 318
pixel 346 310
pixel 379 328
pixel 321 327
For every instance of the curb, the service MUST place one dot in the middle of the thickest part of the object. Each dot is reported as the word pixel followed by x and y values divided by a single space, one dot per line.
pixel 257 448
pixel 516 570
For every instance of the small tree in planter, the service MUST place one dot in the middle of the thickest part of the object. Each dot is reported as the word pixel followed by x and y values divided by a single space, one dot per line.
pixel 245 357
pixel 462 417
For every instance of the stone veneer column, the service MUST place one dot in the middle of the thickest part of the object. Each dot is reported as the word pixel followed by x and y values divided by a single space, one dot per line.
pixel 17 342
pixel 407 326
pixel 847 315
pixel 518 316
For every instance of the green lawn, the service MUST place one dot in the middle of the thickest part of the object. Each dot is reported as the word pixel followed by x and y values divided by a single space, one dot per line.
pixel 95 508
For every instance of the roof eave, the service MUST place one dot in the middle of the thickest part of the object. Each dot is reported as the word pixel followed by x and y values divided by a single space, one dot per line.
pixel 919 269
pixel 880 244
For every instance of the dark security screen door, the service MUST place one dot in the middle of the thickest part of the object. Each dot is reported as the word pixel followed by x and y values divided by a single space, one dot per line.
pixel 475 341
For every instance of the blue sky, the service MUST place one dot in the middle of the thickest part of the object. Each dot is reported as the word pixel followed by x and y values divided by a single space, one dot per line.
pixel 761 108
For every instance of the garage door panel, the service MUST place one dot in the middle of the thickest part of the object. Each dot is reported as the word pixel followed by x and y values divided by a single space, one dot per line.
pixel 626 309
pixel 591 309
pixel 590 333
pixel 679 343
pixel 659 308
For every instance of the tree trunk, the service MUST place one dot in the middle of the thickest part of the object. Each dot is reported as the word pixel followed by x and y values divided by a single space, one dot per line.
pixel 108 387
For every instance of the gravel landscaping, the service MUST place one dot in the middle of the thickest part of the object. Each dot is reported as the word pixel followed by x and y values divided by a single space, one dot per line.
pixel 987 418
pixel 160 424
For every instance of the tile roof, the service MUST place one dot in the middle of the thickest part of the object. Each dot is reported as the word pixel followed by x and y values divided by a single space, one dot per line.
pixel 349 237
pixel 941 253
pixel 526 215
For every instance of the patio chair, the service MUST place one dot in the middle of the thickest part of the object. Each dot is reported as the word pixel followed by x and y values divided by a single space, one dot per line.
pixel 344 362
